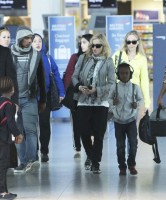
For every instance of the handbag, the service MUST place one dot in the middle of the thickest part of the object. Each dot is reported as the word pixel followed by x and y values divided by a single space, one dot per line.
pixel 158 122
pixel 68 100
pixel 53 94
pixel 146 137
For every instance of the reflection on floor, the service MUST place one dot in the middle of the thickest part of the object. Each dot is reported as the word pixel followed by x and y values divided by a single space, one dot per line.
pixel 64 177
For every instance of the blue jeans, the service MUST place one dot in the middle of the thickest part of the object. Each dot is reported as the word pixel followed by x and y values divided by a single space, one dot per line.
pixel 121 131
pixel 27 122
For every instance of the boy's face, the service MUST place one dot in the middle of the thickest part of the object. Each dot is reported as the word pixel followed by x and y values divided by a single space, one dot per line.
pixel 124 74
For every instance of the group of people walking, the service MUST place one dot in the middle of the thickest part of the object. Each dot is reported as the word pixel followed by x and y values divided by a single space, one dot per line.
pixel 102 83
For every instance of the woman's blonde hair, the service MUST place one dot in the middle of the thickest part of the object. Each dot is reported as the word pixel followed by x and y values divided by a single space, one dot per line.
pixel 106 48
pixel 139 48
pixel 3 28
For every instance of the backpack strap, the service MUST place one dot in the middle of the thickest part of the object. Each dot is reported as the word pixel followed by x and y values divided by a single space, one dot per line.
pixel 1 106
pixel 133 86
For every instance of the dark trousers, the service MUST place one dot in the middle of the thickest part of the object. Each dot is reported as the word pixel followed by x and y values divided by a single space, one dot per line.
pixel 76 131
pixel 121 131
pixel 92 118
pixel 45 130
pixel 4 164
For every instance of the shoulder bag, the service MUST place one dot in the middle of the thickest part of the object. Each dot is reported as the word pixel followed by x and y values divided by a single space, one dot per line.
pixel 53 94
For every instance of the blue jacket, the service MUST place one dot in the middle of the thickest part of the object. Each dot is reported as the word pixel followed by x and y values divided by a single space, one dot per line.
pixel 55 70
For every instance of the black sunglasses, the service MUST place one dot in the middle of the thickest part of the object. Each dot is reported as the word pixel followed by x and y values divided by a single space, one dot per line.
pixel 98 46
pixel 133 42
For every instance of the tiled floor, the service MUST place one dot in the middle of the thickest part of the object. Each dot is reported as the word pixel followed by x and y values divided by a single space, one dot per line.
pixel 64 177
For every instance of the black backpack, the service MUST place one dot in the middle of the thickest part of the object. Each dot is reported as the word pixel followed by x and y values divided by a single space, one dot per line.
pixel 146 137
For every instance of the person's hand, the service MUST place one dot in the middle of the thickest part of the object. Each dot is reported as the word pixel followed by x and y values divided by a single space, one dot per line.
pixel 83 89
pixel 134 105
pixel 41 107
pixel 18 139
pixel 115 101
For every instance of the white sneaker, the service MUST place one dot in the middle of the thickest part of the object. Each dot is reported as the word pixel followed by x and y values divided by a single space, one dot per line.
pixel 32 166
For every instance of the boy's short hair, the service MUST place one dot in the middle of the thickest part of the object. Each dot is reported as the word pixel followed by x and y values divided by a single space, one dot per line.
pixel 6 85
pixel 124 65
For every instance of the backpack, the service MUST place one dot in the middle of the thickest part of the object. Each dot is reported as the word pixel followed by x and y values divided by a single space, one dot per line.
pixel 3 118
pixel 146 137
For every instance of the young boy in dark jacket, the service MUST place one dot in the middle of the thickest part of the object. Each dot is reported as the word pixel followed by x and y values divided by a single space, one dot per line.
pixel 7 127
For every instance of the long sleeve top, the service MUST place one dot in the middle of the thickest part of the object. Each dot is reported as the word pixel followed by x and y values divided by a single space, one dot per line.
pixel 126 94
pixel 70 70
pixel 7 120
pixel 140 75
pixel 105 78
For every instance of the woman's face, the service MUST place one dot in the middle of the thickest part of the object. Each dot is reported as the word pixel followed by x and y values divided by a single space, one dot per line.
pixel 132 42
pixel 97 47
pixel 84 44
pixel 5 38
pixel 37 43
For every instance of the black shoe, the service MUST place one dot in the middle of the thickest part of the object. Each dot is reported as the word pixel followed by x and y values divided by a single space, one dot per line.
pixel 122 172
pixel 88 164
pixel 15 195
pixel 8 196
pixel 133 171
pixel 44 158
pixel 95 169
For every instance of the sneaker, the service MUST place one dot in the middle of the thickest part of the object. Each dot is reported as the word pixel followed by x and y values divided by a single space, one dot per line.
pixel 122 172
pixel 32 166
pixel 77 154
pixel 44 158
pixel 133 171
pixel 15 195
pixel 8 196
pixel 95 169
pixel 88 164
pixel 20 168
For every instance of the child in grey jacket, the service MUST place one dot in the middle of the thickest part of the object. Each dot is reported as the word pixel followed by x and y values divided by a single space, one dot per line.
pixel 125 97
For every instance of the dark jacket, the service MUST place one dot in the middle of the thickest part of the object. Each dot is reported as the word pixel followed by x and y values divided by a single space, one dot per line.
pixel 48 62
pixel 70 69
pixel 36 75
pixel 7 120
pixel 7 68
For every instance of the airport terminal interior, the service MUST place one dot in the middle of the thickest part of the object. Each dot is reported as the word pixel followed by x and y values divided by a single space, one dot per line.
pixel 63 177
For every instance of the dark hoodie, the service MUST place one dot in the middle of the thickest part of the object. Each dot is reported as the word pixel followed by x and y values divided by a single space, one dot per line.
pixel 7 120
pixel 34 77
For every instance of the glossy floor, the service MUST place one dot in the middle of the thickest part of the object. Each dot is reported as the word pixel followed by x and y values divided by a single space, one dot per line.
pixel 64 177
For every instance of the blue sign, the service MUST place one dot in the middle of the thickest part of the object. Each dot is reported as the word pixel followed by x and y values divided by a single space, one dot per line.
pixel 116 29
pixel 61 46
pixel 159 60
pixel 61 40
